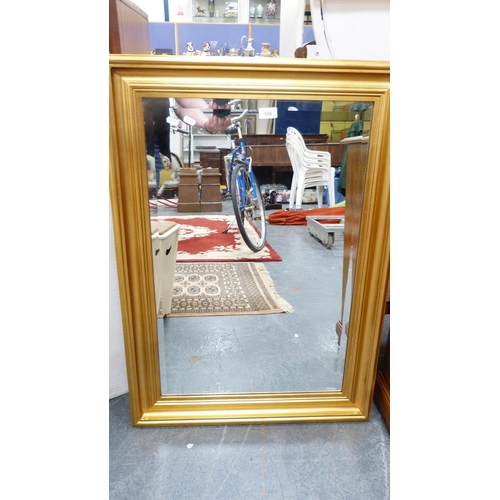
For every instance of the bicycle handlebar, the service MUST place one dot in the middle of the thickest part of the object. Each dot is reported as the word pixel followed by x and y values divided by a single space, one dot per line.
pixel 227 111
pixel 239 117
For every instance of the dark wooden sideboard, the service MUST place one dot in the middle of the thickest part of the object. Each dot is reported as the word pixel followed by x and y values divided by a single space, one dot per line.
pixel 128 28
pixel 272 139
pixel 268 151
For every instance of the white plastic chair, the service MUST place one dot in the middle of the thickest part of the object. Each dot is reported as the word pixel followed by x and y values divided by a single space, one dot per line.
pixel 168 234
pixel 311 168
pixel 164 240
pixel 157 262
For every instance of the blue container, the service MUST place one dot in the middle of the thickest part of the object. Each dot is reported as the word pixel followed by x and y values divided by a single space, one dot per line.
pixel 338 196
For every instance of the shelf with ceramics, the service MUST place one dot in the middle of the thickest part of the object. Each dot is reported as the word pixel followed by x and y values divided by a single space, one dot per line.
pixel 221 11
pixel 264 12
pixel 215 11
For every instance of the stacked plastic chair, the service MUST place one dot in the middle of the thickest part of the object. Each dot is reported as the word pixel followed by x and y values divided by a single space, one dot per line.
pixel 311 168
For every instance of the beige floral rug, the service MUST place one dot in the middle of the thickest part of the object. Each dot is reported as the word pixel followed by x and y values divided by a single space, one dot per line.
pixel 224 289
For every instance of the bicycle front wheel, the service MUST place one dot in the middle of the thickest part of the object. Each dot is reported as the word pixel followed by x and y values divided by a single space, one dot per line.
pixel 248 207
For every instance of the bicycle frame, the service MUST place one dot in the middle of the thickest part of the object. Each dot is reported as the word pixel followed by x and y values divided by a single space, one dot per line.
pixel 238 152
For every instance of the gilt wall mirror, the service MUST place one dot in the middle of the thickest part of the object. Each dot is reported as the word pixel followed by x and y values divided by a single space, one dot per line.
pixel 154 398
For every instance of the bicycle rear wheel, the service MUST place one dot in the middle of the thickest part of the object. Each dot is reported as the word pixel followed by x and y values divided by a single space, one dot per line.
pixel 248 207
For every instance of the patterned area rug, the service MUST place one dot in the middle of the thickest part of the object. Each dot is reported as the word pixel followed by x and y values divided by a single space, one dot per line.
pixel 201 240
pixel 224 289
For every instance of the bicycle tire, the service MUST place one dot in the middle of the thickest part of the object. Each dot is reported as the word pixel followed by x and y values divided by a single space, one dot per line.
pixel 249 210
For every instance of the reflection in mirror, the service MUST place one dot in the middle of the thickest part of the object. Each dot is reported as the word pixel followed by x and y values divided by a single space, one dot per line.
pixel 302 350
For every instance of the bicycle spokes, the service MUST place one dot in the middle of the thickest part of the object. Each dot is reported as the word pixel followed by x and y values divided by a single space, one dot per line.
pixel 248 207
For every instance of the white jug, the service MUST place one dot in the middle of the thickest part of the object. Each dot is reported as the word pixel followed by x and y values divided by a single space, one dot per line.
pixel 248 51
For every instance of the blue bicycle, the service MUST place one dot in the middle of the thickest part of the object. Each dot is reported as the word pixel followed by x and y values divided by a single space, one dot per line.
pixel 249 208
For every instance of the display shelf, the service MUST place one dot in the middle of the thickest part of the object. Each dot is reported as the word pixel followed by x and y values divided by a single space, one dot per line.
pixel 264 12
pixel 265 22
pixel 216 11
pixel 236 11
pixel 215 20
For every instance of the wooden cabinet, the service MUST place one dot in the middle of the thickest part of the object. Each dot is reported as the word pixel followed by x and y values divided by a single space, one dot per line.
pixel 382 394
pixel 214 158
pixel 273 154
pixel 268 151
pixel 128 28
pixel 357 161
pixel 280 139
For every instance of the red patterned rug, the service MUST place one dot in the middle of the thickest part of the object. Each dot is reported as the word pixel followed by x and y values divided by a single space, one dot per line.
pixel 201 240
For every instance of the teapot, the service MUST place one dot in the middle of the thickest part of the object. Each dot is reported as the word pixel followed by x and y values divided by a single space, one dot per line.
pixel 248 51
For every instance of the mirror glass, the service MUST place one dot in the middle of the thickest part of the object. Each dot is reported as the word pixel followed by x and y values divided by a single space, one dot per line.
pixel 298 351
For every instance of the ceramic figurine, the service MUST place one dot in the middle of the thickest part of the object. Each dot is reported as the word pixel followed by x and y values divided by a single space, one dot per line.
pixel 252 11
pixel 190 49
pixel 270 9
pixel 206 49
pixel 260 10
pixel 266 50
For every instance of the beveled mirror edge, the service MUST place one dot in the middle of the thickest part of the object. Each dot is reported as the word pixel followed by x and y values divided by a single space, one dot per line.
pixel 130 77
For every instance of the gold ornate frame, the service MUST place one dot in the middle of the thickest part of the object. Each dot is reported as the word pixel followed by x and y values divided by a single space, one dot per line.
pixel 135 77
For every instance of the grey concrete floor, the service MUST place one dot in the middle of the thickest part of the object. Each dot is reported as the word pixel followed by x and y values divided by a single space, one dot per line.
pixel 342 460
pixel 284 352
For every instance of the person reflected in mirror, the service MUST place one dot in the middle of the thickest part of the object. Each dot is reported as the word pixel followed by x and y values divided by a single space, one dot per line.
pixel 356 129
pixel 157 129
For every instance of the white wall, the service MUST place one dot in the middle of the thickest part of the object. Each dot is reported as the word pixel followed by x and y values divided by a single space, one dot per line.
pixel 360 30
pixel 356 29
pixel 117 368
pixel 347 29
pixel 291 28
pixel 153 8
